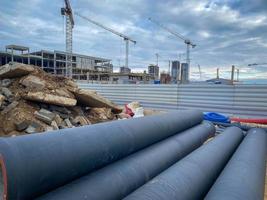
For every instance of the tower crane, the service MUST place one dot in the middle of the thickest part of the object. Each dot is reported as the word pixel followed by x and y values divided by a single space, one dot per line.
pixel 126 38
pixel 186 41
pixel 67 11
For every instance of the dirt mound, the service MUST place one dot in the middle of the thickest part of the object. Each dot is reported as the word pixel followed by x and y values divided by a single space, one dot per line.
pixel 32 100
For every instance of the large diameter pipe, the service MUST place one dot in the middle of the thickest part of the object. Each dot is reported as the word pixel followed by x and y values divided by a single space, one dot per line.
pixel 192 177
pixel 244 175
pixel 35 164
pixel 117 180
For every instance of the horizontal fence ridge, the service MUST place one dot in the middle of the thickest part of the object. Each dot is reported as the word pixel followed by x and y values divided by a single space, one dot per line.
pixel 237 100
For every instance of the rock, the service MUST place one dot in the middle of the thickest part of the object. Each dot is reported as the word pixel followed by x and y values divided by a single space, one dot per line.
pixel 33 128
pixel 54 125
pixel 33 82
pixel 71 89
pixel 47 113
pixel 59 109
pixel 2 98
pixel 62 125
pixel 76 110
pixel 30 129
pixel 64 92
pixel 9 127
pixel 68 123
pixel 10 107
pixel 50 99
pixel 96 115
pixel 45 116
pixel 43 105
pixel 14 69
pixel 49 128
pixel 6 82
pixel 20 126
pixel 89 98
pixel 81 120
pixel 58 119
pixel 62 115
pixel 6 92
pixel 71 83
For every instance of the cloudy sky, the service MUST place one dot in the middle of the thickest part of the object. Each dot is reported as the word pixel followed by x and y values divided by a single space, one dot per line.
pixel 226 32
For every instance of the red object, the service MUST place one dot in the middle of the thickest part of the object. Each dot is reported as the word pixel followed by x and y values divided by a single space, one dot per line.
pixel 255 120
pixel 129 111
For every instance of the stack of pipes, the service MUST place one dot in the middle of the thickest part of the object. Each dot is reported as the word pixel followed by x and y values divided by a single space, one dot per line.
pixel 154 157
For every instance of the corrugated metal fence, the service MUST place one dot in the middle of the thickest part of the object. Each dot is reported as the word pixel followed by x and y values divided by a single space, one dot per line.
pixel 241 100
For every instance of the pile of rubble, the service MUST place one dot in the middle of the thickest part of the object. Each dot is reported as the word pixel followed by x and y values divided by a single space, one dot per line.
pixel 32 100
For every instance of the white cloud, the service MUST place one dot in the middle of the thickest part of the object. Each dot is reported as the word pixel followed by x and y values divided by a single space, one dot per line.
pixel 224 35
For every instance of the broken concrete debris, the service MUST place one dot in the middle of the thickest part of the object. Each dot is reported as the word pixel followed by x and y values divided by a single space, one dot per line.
pixel 45 116
pixel 6 82
pixel 81 120
pixel 58 119
pixel 50 99
pixel 33 128
pixel 20 126
pixel 32 101
pixel 6 92
pixel 54 125
pixel 33 82
pixel 89 98
pixel 2 98
pixel 10 107
pixel 14 69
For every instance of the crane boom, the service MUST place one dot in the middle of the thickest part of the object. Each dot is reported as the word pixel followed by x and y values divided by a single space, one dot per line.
pixel 253 64
pixel 186 41
pixel 126 38
pixel 106 28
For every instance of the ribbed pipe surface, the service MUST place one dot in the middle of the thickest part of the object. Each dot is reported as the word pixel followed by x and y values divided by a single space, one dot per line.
pixel 192 177
pixel 37 163
pixel 244 175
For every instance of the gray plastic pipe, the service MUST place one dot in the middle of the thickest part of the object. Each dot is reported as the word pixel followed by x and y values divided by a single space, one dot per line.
pixel 35 164
pixel 192 177
pixel 117 180
pixel 244 175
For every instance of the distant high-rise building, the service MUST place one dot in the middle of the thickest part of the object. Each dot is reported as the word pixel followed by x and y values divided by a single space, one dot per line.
pixel 125 70
pixel 175 71
pixel 153 70
pixel 184 73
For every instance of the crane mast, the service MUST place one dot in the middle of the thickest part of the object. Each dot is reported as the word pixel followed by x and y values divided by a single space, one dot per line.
pixel 126 38
pixel 67 11
pixel 188 42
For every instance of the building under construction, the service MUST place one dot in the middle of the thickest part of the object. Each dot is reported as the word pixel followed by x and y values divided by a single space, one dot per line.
pixel 83 67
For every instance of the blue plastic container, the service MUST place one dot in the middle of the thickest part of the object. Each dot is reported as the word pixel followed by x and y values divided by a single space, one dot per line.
pixel 216 117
